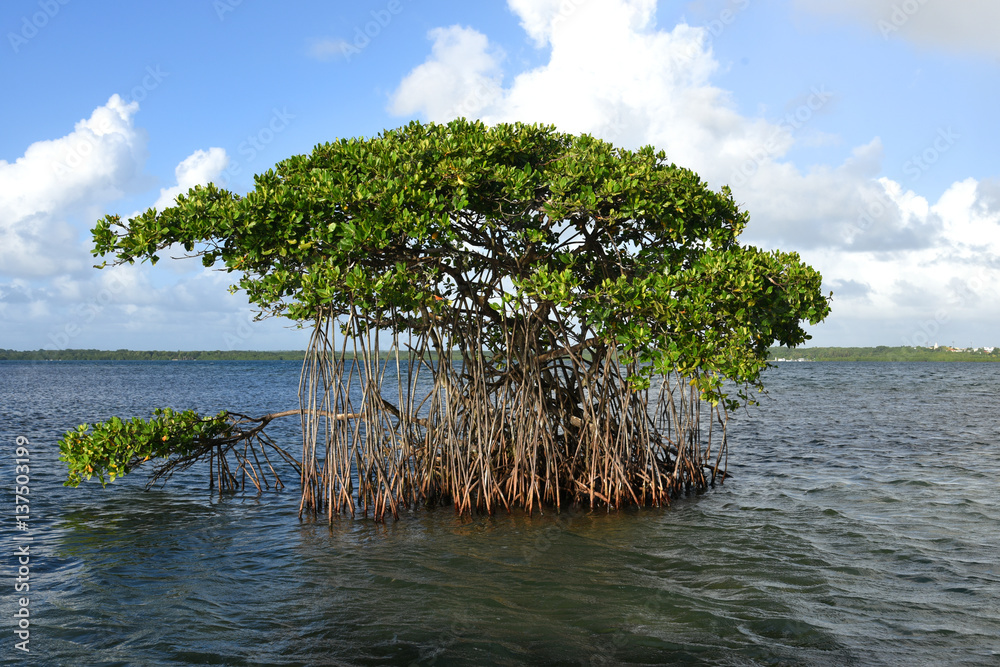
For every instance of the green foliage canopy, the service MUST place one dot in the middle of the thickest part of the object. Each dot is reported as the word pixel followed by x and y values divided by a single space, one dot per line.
pixel 518 220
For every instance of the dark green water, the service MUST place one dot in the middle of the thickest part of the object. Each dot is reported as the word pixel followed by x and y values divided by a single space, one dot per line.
pixel 862 526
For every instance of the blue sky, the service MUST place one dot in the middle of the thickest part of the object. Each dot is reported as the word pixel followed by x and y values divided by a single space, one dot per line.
pixel 860 133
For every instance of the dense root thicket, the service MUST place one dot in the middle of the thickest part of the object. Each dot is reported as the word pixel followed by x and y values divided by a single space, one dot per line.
pixel 438 420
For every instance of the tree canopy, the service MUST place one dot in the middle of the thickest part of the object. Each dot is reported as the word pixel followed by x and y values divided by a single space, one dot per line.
pixel 636 249
pixel 571 277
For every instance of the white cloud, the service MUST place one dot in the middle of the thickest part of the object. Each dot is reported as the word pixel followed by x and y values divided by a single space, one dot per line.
pixel 896 256
pixel 963 26
pixel 50 286
pixel 540 18
pixel 199 168
pixel 650 86
pixel 930 293
pixel 461 77
pixel 653 87
pixel 537 17
pixel 97 162
pixel 988 195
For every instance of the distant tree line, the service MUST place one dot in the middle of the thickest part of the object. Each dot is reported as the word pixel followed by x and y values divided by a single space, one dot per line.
pixel 150 355
pixel 881 353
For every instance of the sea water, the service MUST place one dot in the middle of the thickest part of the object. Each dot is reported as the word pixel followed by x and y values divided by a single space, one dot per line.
pixel 861 525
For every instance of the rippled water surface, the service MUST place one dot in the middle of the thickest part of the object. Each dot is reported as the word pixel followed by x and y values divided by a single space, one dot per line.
pixel 861 526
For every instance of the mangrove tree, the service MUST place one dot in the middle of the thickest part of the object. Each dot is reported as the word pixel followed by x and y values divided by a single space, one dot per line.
pixel 502 316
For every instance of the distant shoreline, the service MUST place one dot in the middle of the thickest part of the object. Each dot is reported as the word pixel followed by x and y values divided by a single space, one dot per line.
pixel 777 354
pixel 151 355
pixel 883 353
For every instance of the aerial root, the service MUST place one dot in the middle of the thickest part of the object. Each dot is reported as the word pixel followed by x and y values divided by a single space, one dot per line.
pixel 456 426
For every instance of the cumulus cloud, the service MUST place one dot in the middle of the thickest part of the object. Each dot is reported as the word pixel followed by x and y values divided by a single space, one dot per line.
pixel 460 78
pixel 50 196
pixel 652 84
pixel 961 26
pixel 199 168
pixel 541 18
pixel 893 255
pixel 942 289
pixel 655 88
pixel 97 162
pixel 988 196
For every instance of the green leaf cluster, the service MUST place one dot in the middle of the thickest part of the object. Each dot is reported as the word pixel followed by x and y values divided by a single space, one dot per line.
pixel 114 447
pixel 502 222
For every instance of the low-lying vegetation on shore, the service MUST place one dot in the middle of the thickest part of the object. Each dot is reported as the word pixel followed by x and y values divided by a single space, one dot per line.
pixel 151 355
pixel 880 353
pixel 883 353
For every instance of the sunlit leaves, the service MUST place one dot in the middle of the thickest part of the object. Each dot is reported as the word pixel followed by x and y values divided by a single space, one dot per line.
pixel 635 249
pixel 113 448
